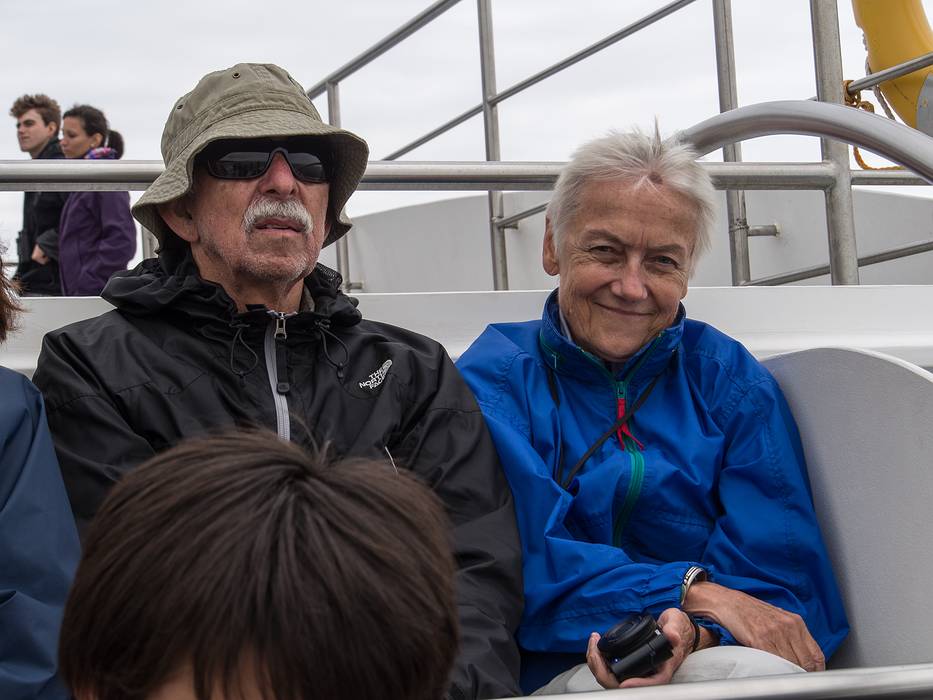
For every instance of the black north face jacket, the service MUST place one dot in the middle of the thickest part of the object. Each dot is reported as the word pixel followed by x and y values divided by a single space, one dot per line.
pixel 175 359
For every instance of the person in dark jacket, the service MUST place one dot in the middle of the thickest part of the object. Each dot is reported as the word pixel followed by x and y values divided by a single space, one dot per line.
pixel 235 323
pixel 282 575
pixel 38 118
pixel 39 547
pixel 96 235
pixel 655 464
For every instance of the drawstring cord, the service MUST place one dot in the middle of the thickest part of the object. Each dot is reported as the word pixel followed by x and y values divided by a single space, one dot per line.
pixel 238 338
pixel 323 328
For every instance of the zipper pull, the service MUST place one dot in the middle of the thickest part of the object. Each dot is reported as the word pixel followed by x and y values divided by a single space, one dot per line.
pixel 280 333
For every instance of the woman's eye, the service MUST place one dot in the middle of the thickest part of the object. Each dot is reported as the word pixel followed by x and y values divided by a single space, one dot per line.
pixel 665 260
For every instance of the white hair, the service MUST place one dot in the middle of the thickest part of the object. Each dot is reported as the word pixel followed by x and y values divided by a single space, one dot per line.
pixel 644 160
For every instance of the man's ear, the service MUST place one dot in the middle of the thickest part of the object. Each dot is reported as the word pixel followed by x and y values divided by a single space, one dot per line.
pixel 177 216
pixel 52 129
pixel 549 254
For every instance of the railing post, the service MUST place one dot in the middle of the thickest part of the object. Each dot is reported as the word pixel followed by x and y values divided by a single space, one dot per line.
pixel 500 270
pixel 736 214
pixel 343 250
pixel 840 219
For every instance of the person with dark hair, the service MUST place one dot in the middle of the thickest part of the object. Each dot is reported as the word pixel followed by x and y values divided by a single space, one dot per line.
pixel 242 566
pixel 97 236
pixel 38 542
pixel 236 323
pixel 38 118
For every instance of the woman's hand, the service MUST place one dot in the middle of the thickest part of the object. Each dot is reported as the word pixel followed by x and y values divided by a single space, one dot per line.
pixel 676 626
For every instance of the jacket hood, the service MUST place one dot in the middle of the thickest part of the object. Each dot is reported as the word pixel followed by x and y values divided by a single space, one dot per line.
pixel 160 285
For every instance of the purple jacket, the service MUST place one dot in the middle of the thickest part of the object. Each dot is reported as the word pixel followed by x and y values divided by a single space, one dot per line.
pixel 97 237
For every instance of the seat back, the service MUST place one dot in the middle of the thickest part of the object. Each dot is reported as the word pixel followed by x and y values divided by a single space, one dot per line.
pixel 866 422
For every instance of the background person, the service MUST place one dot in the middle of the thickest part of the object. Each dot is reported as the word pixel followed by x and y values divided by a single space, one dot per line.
pixel 38 118
pixel 38 543
pixel 239 567
pixel 654 462
pixel 97 236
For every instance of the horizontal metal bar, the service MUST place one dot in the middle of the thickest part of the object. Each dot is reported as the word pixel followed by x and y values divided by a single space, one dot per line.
pixel 764 230
pixel 512 221
pixel 819 270
pixel 896 142
pixel 884 683
pixel 473 175
pixel 645 21
pixel 771 176
pixel 65 176
pixel 891 73
pixel 380 47
pixel 886 177
pixel 77 175
pixel 446 126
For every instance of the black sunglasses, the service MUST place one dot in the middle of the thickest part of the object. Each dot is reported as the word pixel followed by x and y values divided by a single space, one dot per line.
pixel 247 159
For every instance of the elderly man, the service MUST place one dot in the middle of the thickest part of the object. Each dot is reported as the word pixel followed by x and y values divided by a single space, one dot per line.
pixel 235 323
pixel 654 462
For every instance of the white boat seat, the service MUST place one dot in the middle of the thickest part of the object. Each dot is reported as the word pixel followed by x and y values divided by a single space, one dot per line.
pixel 866 422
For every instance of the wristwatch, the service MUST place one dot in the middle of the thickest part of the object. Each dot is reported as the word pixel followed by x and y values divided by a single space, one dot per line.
pixel 693 575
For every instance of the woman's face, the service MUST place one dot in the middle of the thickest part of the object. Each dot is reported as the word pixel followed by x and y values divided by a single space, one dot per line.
pixel 75 140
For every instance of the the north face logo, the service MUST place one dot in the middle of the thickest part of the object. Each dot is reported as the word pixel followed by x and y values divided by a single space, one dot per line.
pixel 377 377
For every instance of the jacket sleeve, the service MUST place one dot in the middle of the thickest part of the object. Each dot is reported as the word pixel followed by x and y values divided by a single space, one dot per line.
pixel 767 541
pixel 448 445
pixel 114 247
pixel 48 241
pixel 39 549
pixel 572 587
pixel 94 443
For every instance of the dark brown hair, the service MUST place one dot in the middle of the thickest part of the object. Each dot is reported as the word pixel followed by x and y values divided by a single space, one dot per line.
pixel 9 306
pixel 329 580
pixel 47 108
pixel 93 122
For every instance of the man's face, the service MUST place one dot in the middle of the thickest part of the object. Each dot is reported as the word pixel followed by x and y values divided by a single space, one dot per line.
pixel 624 261
pixel 33 133
pixel 267 230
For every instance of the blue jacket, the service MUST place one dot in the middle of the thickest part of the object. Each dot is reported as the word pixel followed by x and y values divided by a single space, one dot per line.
pixel 711 472
pixel 39 547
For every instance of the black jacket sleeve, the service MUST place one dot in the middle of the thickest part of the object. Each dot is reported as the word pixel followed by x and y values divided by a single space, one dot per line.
pixel 448 445
pixel 94 443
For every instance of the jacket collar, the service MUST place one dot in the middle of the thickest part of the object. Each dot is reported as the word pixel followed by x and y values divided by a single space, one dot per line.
pixel 157 285
pixel 566 357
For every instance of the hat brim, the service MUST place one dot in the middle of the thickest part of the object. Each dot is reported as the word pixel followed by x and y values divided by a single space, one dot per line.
pixel 348 156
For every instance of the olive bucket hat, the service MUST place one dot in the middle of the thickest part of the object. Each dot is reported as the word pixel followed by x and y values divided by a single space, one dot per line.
pixel 249 100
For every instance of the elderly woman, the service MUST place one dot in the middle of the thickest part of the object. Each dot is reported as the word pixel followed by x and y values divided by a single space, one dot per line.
pixel 38 542
pixel 655 464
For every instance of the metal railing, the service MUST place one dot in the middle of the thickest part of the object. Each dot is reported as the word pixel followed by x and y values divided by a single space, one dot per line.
pixel 844 259
pixel 832 175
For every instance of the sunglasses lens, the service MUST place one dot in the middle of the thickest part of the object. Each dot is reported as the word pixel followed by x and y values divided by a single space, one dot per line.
pixel 239 165
pixel 307 167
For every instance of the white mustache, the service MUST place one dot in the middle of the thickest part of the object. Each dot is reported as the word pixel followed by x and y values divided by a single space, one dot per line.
pixel 275 209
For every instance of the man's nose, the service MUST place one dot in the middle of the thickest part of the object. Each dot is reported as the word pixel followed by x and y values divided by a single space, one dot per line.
pixel 279 179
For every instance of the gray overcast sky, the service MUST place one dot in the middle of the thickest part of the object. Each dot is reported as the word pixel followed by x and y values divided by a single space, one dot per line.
pixel 133 59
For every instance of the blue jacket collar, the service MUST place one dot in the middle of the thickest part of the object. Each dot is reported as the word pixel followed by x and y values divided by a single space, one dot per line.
pixel 565 357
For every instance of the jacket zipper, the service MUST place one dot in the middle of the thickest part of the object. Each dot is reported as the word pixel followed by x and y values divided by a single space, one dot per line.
pixel 631 445
pixel 276 361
